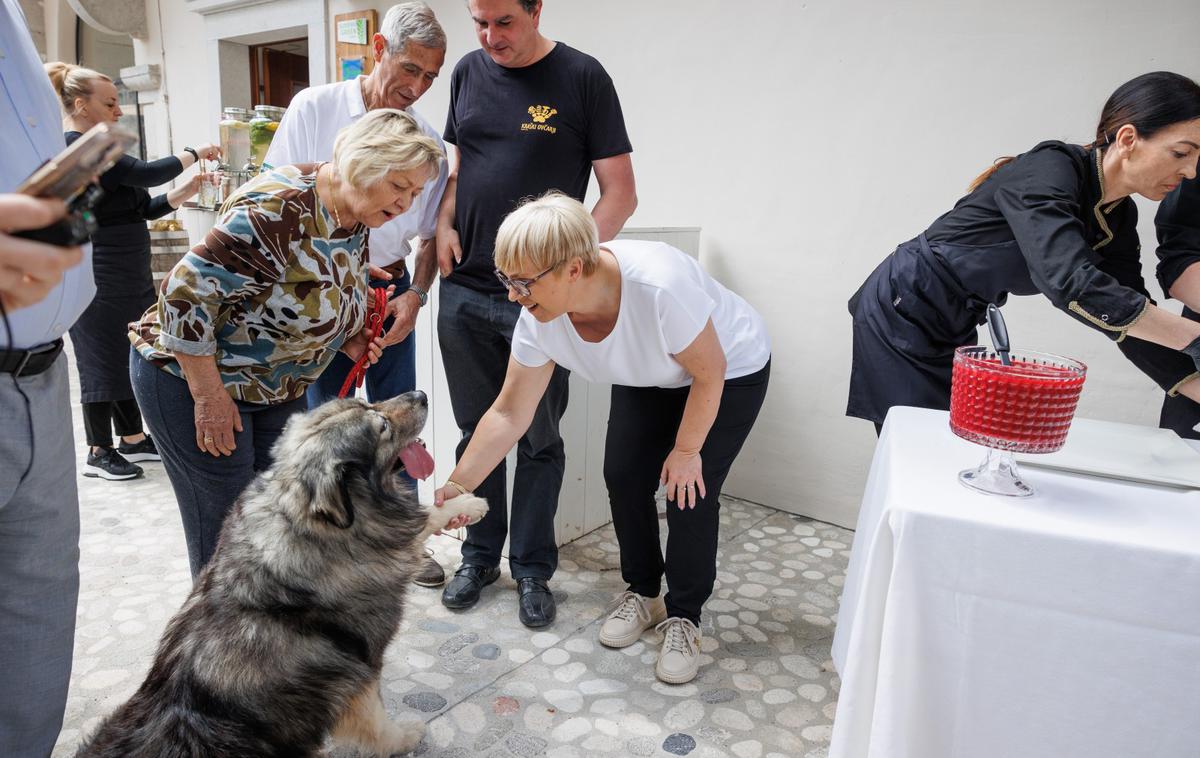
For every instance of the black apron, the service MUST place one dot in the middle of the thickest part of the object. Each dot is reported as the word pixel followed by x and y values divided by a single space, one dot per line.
pixel 124 290
pixel 914 310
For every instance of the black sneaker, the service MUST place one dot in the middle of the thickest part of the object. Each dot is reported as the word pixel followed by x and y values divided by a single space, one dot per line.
pixel 139 451
pixel 111 465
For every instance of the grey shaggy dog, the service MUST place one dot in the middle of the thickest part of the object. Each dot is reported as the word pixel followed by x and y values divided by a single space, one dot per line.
pixel 281 642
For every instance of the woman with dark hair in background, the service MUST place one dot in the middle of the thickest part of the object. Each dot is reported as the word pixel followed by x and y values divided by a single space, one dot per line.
pixel 1058 220
pixel 121 264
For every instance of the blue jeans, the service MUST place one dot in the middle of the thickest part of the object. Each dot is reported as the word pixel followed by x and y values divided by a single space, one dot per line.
pixel 475 335
pixel 205 487
pixel 394 374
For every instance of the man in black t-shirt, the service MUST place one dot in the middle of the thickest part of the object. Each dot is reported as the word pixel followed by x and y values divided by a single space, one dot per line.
pixel 527 115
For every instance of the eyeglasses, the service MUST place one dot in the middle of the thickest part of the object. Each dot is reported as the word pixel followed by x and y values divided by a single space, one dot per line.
pixel 521 286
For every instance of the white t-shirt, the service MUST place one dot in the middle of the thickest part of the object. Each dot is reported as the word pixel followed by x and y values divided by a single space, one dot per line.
pixel 666 299
pixel 306 135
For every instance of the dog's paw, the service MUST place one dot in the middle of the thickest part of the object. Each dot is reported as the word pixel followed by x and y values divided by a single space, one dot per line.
pixel 469 506
pixel 474 508
pixel 401 739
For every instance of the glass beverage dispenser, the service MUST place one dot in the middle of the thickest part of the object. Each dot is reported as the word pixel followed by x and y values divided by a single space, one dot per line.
pixel 262 131
pixel 235 149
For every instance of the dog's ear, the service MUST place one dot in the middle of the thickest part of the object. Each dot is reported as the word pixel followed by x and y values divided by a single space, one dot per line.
pixel 333 502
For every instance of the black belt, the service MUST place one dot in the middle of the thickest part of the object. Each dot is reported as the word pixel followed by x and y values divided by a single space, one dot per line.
pixel 30 362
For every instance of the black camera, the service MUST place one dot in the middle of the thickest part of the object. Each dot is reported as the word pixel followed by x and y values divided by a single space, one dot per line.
pixel 71 176
pixel 76 227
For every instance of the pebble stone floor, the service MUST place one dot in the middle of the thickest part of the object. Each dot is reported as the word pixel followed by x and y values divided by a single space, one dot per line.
pixel 487 686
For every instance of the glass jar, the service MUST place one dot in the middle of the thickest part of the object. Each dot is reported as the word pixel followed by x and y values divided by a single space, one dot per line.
pixel 262 131
pixel 235 137
pixel 210 189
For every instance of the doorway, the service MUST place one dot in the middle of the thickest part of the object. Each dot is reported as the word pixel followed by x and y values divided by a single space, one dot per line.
pixel 278 70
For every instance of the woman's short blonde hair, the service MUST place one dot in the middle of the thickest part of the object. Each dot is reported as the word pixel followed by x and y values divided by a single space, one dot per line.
pixel 546 233
pixel 382 141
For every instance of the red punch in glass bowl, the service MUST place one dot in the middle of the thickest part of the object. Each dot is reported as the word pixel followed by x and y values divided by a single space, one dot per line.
pixel 1025 407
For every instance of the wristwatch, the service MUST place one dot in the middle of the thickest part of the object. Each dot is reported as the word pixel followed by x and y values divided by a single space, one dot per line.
pixel 422 295
pixel 192 150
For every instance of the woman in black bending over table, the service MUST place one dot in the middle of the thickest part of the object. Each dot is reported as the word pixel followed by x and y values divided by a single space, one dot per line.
pixel 1058 220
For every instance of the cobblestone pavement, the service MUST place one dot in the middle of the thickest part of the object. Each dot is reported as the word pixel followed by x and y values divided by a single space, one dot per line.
pixel 487 686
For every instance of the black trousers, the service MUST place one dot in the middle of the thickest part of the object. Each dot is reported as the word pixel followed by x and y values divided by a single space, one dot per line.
pixel 100 418
pixel 475 336
pixel 642 423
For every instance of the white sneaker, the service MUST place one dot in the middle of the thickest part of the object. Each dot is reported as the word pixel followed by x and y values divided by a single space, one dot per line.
pixel 679 658
pixel 629 617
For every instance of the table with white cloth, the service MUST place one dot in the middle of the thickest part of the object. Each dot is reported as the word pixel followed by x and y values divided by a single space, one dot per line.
pixel 977 626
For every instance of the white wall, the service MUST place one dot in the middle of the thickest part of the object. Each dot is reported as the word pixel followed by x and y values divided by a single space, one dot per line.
pixel 807 139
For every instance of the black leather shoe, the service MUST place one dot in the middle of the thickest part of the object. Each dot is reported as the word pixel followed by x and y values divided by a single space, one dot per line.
pixel 535 601
pixel 463 590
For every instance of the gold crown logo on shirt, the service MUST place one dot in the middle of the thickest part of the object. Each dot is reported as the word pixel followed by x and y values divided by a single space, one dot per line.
pixel 541 112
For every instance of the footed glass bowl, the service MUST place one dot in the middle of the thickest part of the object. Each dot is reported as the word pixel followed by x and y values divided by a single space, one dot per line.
pixel 1025 407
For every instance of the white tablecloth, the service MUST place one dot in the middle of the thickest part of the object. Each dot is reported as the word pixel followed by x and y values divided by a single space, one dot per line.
pixel 1060 625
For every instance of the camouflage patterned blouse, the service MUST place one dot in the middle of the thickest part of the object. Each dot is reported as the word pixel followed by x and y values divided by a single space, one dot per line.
pixel 273 291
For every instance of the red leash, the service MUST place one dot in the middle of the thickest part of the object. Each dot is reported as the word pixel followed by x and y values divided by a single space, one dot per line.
pixel 375 323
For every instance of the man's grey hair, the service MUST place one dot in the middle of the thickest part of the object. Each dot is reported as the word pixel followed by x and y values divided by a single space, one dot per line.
pixel 411 22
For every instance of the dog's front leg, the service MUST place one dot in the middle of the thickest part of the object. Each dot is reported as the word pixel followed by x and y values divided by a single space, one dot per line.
pixel 365 724
pixel 473 507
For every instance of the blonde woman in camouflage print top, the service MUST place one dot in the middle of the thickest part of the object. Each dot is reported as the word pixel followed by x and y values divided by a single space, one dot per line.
pixel 272 293
pixel 251 316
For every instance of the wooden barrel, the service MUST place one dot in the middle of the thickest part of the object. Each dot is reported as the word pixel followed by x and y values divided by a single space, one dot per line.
pixel 166 249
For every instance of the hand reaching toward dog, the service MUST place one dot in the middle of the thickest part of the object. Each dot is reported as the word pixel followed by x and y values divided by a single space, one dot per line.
pixel 683 476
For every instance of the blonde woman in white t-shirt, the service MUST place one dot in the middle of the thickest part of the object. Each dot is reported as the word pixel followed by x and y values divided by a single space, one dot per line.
pixel 689 363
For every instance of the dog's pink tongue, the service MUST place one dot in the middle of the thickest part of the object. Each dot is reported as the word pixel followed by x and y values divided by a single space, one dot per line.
pixel 417 460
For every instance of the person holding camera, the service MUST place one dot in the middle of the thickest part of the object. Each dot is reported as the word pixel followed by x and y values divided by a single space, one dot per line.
pixel 121 267
pixel 43 289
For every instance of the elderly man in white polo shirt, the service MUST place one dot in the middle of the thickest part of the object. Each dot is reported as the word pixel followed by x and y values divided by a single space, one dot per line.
pixel 409 51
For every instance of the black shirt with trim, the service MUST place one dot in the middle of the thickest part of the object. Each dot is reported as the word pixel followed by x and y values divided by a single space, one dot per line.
pixel 1082 254
pixel 1084 257
pixel 521 132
